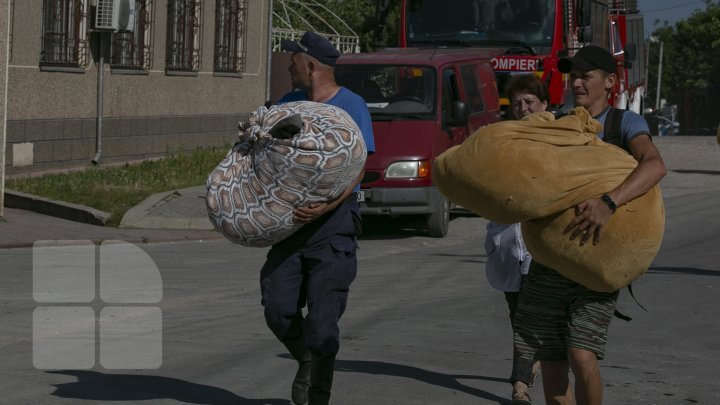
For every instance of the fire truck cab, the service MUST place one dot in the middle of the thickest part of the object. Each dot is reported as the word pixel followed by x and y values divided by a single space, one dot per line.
pixel 535 35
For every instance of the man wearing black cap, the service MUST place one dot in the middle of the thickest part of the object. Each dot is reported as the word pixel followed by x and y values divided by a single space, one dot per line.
pixel 316 265
pixel 573 334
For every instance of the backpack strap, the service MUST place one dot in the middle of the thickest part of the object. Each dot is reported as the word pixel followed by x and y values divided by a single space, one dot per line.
pixel 623 316
pixel 612 129
pixel 613 135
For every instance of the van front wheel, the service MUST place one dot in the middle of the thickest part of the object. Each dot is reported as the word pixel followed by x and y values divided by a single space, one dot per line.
pixel 439 221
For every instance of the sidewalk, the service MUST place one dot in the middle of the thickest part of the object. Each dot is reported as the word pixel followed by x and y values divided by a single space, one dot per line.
pixel 172 216
pixel 178 209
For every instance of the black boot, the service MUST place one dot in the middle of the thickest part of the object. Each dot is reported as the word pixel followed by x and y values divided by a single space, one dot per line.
pixel 321 378
pixel 301 383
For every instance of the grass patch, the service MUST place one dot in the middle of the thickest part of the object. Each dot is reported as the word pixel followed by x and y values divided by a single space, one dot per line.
pixel 117 189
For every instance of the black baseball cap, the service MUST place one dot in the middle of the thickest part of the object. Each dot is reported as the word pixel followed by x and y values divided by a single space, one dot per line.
pixel 589 58
pixel 314 45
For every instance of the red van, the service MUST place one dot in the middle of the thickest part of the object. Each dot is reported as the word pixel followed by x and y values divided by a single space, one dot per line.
pixel 422 102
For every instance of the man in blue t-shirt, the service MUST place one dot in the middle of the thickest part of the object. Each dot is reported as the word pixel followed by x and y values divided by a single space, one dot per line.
pixel 559 322
pixel 316 265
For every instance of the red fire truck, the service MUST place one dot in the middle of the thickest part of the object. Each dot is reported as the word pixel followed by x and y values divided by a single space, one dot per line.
pixel 532 35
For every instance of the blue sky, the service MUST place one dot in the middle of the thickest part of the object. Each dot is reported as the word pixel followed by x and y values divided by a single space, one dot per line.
pixel 670 10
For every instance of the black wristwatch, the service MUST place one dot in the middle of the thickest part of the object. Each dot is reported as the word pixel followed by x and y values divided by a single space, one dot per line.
pixel 609 201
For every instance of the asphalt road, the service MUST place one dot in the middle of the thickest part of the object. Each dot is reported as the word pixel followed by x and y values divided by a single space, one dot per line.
pixel 422 325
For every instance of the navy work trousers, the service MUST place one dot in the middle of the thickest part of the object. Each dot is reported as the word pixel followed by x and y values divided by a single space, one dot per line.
pixel 313 267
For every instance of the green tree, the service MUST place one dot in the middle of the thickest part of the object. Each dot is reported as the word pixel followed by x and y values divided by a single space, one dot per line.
pixel 374 21
pixel 691 67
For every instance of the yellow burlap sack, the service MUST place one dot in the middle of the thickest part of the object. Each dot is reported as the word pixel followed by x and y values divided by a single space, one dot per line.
pixel 629 243
pixel 513 171
pixel 536 171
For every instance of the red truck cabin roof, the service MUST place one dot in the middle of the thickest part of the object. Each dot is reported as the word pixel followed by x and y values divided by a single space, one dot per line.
pixel 425 56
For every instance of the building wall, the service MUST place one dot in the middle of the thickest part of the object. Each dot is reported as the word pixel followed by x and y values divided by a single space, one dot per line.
pixel 52 116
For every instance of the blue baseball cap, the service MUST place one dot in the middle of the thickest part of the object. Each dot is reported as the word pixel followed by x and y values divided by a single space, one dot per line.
pixel 314 45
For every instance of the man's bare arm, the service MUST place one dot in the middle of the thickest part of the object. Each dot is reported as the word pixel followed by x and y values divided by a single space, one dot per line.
pixel 314 211
pixel 591 215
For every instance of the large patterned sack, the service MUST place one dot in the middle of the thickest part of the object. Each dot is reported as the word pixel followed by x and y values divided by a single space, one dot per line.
pixel 536 171
pixel 289 155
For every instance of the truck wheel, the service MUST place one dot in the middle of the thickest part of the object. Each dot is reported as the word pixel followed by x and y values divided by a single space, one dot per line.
pixel 439 221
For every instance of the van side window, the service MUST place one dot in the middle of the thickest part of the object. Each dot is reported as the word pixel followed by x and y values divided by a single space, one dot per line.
pixel 472 89
pixel 450 92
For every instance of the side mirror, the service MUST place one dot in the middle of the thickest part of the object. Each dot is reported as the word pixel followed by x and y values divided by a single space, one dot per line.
pixel 567 105
pixel 585 19
pixel 458 114
pixel 630 52
pixel 586 33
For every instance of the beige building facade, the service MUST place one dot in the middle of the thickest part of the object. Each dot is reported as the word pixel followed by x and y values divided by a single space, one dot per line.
pixel 182 79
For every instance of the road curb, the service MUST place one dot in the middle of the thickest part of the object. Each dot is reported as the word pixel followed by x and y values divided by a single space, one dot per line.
pixel 137 214
pixel 55 208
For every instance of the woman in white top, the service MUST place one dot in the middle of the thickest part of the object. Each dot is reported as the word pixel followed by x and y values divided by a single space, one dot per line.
pixel 507 258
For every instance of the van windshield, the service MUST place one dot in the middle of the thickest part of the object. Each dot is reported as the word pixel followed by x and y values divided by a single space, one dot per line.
pixel 482 22
pixel 392 90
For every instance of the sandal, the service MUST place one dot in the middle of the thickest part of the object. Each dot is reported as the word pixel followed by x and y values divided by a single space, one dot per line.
pixel 521 398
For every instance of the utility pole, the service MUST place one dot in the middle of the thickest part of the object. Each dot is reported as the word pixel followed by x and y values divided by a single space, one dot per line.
pixel 382 7
pixel 269 50
pixel 647 65
pixel 657 95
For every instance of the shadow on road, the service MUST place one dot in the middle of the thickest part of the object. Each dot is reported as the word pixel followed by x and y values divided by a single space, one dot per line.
pixel 711 172
pixel 96 386
pixel 684 270
pixel 449 381
pixel 379 227
pixel 479 257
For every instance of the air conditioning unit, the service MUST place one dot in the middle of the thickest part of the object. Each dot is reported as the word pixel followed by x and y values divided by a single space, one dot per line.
pixel 115 15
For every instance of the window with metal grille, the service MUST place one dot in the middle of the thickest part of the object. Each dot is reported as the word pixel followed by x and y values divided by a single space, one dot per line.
pixel 133 50
pixel 64 35
pixel 184 35
pixel 230 30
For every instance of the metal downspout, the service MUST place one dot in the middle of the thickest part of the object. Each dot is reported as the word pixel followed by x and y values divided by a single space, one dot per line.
pixel 268 68
pixel 3 130
pixel 99 120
